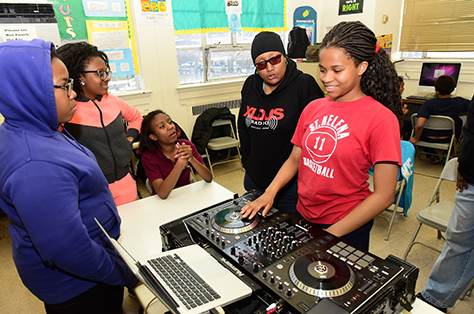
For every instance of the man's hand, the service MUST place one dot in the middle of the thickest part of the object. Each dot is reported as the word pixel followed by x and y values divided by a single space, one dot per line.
pixel 461 183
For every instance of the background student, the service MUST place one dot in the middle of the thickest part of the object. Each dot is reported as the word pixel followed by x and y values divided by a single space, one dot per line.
pixel 166 159
pixel 272 101
pixel 52 189
pixel 340 137
pixel 99 121
pixel 454 269
pixel 443 105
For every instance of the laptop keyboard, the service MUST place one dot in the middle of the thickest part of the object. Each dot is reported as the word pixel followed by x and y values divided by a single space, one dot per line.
pixel 188 286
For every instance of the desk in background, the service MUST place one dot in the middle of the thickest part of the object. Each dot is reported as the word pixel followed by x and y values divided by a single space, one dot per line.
pixel 413 105
pixel 141 221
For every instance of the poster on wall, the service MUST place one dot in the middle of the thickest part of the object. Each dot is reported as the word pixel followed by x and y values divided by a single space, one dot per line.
pixel 153 12
pixel 385 41
pixel 350 6
pixel 106 24
pixel 233 9
pixel 112 38
pixel 306 17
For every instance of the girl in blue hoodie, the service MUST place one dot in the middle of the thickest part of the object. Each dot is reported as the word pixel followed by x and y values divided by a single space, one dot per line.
pixel 52 189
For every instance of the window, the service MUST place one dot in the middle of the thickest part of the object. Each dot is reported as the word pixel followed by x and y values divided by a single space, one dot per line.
pixel 437 26
pixel 207 51
pixel 215 56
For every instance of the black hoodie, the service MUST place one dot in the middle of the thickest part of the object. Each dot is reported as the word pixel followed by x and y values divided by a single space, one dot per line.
pixel 266 123
pixel 466 151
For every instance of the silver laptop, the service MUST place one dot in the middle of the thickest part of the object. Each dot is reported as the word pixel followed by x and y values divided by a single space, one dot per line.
pixel 185 280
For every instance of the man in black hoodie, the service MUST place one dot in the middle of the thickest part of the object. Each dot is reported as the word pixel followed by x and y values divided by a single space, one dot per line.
pixel 272 101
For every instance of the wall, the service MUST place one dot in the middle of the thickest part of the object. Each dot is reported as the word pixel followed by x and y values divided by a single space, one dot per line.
pixel 158 61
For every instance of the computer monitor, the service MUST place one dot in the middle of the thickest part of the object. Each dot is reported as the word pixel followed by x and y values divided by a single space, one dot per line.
pixel 430 71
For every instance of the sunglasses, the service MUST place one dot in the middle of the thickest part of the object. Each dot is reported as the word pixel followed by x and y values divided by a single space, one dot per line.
pixel 102 74
pixel 67 86
pixel 273 61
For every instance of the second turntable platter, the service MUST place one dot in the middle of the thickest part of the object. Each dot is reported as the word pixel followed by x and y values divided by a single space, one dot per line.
pixel 322 275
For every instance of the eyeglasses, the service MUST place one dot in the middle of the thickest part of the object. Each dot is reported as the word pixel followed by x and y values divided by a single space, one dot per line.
pixel 67 86
pixel 102 74
pixel 273 61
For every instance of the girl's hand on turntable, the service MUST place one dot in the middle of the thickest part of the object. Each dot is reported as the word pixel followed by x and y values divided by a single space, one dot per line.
pixel 251 209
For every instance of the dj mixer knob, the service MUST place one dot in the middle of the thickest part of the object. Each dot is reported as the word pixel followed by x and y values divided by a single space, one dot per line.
pixel 255 267
pixel 232 250
pixel 288 293
pixel 241 258
pixel 272 280
pixel 264 274
pixel 280 286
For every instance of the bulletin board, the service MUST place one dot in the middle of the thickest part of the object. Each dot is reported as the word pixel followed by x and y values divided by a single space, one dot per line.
pixel 106 24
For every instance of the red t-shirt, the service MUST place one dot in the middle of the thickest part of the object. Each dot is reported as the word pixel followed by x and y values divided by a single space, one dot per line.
pixel 158 166
pixel 339 143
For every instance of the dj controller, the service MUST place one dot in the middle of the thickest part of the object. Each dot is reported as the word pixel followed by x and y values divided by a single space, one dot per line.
pixel 290 263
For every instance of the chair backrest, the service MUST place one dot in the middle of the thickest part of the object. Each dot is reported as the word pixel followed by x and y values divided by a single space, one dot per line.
pixel 450 170
pixel 450 173
pixel 225 123
pixel 435 122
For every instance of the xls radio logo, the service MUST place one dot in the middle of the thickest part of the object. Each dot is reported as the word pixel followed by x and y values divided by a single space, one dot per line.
pixel 261 119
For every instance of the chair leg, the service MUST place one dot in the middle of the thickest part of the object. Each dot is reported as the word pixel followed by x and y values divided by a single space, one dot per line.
pixel 468 290
pixel 392 219
pixel 412 242
pixel 391 223
pixel 209 160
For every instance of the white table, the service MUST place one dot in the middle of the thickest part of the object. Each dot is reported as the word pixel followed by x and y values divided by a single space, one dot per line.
pixel 141 221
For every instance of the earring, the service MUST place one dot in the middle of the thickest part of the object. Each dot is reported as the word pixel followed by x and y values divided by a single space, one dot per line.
pixel 82 83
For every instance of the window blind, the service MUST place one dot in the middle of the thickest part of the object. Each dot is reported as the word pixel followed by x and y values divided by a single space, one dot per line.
pixel 440 25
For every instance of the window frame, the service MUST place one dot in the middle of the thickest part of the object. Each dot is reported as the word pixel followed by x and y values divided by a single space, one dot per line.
pixel 207 50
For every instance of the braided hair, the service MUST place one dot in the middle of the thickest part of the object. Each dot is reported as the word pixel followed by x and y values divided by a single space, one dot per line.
pixel 76 56
pixel 380 80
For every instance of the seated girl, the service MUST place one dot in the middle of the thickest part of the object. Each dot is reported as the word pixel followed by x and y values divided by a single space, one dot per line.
pixel 166 159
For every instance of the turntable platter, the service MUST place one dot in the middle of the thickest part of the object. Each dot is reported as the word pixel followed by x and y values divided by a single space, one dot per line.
pixel 322 275
pixel 229 220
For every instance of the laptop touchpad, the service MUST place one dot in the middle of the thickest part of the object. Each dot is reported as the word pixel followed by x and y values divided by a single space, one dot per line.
pixel 209 270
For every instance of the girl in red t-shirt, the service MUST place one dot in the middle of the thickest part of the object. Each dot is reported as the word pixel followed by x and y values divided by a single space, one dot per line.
pixel 340 137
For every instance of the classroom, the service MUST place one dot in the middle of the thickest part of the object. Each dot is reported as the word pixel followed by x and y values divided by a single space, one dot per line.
pixel 182 70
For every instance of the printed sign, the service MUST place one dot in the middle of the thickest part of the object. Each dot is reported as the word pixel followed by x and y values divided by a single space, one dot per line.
pixel 350 6
pixel 17 32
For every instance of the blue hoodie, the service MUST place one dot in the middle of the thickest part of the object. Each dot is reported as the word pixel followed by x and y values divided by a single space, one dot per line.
pixel 51 187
